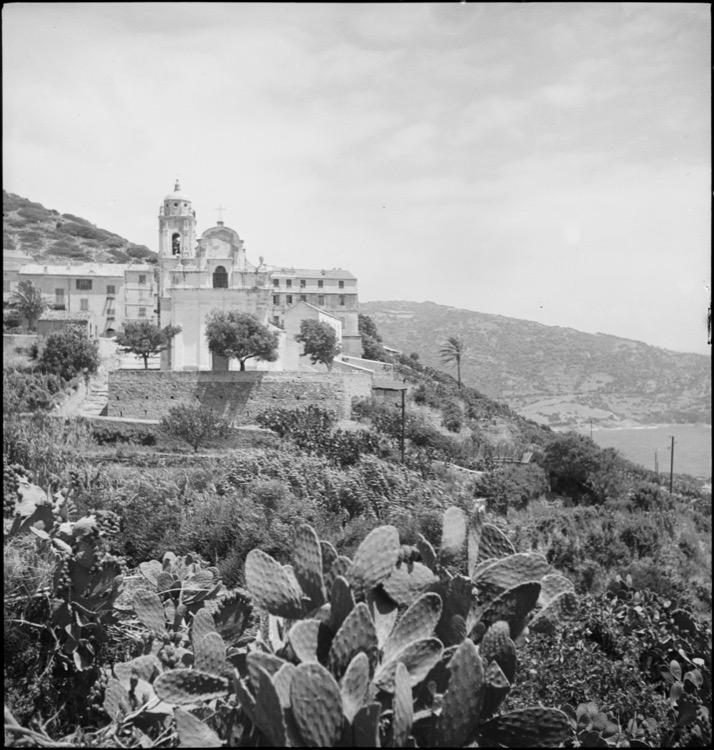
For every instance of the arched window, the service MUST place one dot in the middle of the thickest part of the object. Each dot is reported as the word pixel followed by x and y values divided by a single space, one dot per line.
pixel 176 244
pixel 220 278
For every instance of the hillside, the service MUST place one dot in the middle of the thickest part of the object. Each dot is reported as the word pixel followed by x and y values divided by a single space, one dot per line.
pixel 556 376
pixel 36 233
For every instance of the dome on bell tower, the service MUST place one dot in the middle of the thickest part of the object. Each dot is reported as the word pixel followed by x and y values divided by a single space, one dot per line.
pixel 177 195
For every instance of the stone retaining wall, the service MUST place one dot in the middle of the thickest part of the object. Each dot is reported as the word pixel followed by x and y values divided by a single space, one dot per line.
pixel 240 396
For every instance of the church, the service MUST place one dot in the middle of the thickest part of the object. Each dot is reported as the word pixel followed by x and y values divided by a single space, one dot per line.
pixel 212 272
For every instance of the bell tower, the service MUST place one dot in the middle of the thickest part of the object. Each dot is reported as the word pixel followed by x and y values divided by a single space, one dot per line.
pixel 177 235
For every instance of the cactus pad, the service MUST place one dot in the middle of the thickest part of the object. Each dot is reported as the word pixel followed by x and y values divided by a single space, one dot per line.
pixel 268 710
pixel 357 633
pixel 303 637
pixel 528 727
pixel 428 556
pixel 403 707
pixel 418 657
pixel 316 704
pixel 145 667
pixel 494 543
pixel 546 621
pixel 150 570
pixel 271 586
pixel 354 685
pixel 461 706
pixel 366 726
pixel 497 646
pixel 375 558
pixel 509 571
pixel 192 732
pixel 407 582
pixel 259 659
pixel 183 686
pixel 307 564
pixel 203 624
pixel 282 679
pixel 209 654
pixel 342 602
pixel 116 699
pixel 473 539
pixel 338 568
pixel 384 614
pixel 149 610
pixel 551 586
pixel 512 606
pixel 417 623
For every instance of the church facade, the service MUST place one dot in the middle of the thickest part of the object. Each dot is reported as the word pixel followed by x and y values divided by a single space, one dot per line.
pixel 212 272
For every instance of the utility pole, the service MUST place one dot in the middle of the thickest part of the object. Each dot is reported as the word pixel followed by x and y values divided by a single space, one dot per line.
pixel 591 428
pixel 656 465
pixel 671 466
pixel 403 420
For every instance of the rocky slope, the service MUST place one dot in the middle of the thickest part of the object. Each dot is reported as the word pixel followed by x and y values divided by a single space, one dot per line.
pixel 556 376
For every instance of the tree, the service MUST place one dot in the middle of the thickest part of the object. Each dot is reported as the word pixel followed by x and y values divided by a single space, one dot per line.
pixel 27 299
pixel 195 424
pixel 320 342
pixel 452 351
pixel 144 339
pixel 240 336
pixel 69 351
pixel 371 340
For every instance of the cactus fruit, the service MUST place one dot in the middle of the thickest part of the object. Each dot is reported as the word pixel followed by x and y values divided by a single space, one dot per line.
pixel 268 710
pixel 403 707
pixel 316 704
pixel 453 534
pixel 271 586
pixel 183 686
pixel 192 732
pixel 417 623
pixel 494 543
pixel 210 654
pixel 462 702
pixel 407 582
pixel 374 559
pixel 528 727
pixel 307 564
pixel 149 610
pixel 354 685
pixel 357 633
pixel 418 657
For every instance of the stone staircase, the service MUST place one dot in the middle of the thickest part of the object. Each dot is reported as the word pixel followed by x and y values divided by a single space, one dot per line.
pixel 95 403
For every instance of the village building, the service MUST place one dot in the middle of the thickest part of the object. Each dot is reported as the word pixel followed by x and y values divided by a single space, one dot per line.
pixel 212 272
pixel 111 292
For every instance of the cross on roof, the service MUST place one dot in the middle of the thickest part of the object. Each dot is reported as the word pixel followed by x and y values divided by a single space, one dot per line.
pixel 220 210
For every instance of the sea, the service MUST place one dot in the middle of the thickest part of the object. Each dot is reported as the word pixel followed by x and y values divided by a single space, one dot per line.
pixel 692 446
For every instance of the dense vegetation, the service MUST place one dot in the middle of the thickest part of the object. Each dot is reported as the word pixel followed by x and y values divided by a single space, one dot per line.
pixel 135 571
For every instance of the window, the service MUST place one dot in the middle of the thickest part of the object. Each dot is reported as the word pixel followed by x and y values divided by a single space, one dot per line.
pixel 289 299
pixel 276 282
pixel 303 298
pixel 342 300
pixel 175 244
pixel 142 312
pixel 84 284
pixel 276 299
pixel 320 283
pixel 321 300
pixel 341 284
pixel 289 283
pixel 276 321
pixel 84 305
pixel 59 296
pixel 220 278
pixel 303 283
pixel 142 278
pixel 111 289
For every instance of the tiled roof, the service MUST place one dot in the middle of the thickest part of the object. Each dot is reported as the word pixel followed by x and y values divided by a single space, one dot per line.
pixel 64 315
pixel 311 273
pixel 83 269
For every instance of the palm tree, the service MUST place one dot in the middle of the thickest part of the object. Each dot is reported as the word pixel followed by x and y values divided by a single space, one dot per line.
pixel 452 351
pixel 27 299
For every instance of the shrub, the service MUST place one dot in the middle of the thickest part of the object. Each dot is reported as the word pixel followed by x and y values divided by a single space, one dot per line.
pixel 195 425
pixel 511 486
pixel 68 352
pixel 25 391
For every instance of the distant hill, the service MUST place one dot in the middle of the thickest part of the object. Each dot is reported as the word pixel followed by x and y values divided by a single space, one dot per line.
pixel 555 376
pixel 36 233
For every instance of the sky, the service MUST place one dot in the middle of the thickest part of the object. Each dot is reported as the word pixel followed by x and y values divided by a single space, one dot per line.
pixel 543 161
